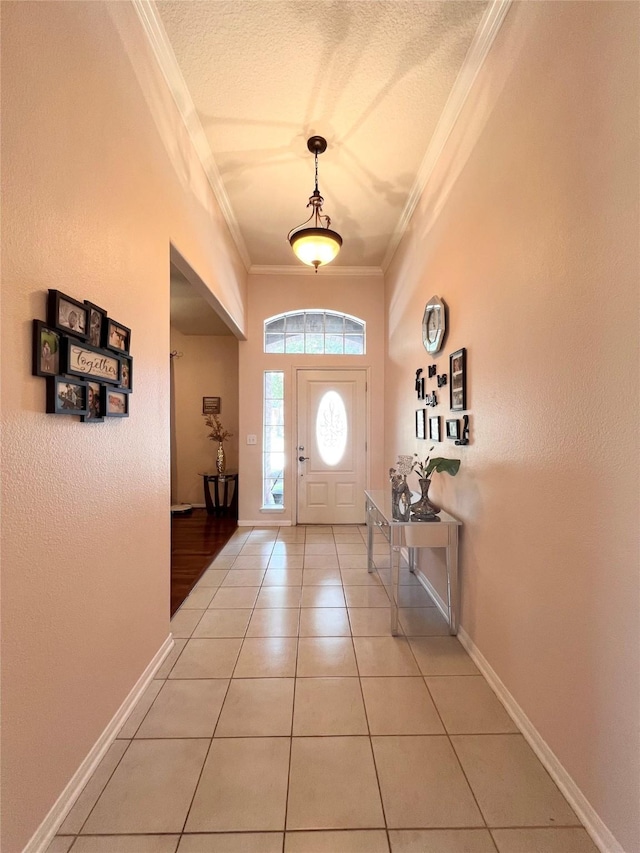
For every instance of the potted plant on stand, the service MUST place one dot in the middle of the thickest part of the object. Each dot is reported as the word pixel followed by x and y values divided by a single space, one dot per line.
pixel 219 434
pixel 423 509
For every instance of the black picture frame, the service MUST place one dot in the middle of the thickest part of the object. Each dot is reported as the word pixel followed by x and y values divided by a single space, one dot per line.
pixel 96 402
pixel 97 325
pixel 453 429
pixel 81 359
pixel 211 405
pixel 117 337
pixel 434 428
pixel 67 395
pixel 116 403
pixel 458 380
pixel 126 374
pixel 420 423
pixel 67 315
pixel 47 343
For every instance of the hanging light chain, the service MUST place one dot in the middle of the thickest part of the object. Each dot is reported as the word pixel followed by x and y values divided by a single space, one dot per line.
pixel 310 244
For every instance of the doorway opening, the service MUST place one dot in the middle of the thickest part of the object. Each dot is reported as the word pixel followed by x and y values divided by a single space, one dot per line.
pixel 204 378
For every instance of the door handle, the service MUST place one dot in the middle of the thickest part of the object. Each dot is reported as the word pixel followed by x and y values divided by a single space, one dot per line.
pixel 302 458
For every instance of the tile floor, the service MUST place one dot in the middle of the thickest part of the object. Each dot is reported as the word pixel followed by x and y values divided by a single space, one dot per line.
pixel 286 719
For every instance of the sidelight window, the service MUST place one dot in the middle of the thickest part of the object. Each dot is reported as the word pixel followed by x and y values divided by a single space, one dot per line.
pixel 273 439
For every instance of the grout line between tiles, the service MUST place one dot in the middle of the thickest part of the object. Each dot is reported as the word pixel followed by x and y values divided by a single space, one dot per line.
pixel 373 756
pixel 84 822
pixel 290 736
pixel 206 757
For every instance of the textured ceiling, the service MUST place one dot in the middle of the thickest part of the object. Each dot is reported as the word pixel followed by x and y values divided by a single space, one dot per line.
pixel 371 77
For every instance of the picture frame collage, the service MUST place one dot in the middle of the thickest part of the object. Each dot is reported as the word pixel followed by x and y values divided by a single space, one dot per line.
pixel 85 357
pixel 430 427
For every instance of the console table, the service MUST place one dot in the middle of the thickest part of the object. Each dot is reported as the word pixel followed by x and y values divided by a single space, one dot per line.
pixel 413 535
pixel 216 506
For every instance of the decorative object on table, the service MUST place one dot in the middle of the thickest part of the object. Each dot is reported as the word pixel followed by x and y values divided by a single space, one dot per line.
pixel 211 405
pixel 420 423
pixel 87 375
pixel 313 242
pixel 453 428
pixel 434 428
pixel 220 434
pixel 465 431
pixel 458 384
pixel 441 379
pixel 424 509
pixel 433 325
pixel 400 492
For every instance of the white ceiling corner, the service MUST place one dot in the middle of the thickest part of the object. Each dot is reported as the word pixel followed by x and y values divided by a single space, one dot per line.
pixel 168 64
pixel 485 35
pixel 383 81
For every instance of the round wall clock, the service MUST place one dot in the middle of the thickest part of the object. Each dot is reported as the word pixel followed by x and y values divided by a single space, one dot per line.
pixel 433 325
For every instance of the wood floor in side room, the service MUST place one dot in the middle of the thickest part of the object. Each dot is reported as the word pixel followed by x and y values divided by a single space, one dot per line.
pixel 195 540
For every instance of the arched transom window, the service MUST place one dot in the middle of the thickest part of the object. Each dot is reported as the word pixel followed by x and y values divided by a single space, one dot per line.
pixel 315 332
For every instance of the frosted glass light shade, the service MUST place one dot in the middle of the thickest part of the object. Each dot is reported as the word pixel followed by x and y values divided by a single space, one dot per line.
pixel 316 246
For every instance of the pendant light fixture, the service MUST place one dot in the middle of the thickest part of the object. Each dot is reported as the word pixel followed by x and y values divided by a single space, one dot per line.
pixel 317 244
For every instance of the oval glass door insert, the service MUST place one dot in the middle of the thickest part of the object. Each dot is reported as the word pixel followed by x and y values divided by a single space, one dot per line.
pixel 331 428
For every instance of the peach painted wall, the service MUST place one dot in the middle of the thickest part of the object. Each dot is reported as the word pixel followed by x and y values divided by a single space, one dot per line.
pixel 529 231
pixel 92 197
pixel 360 296
pixel 208 368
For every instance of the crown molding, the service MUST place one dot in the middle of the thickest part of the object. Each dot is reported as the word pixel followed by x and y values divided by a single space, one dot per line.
pixel 268 269
pixel 483 39
pixel 161 47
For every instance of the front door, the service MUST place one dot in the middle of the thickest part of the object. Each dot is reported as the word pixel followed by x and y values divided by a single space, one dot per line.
pixel 331 452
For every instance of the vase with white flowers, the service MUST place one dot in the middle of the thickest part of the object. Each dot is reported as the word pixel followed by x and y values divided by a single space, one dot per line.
pixel 219 434
pixel 424 509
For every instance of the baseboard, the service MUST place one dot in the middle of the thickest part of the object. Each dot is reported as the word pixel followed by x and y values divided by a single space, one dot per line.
pixel 597 829
pixel 58 812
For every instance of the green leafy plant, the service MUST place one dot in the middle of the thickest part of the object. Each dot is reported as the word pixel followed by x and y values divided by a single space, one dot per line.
pixel 437 464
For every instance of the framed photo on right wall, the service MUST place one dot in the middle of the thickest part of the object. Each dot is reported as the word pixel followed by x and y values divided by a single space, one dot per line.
pixel 458 380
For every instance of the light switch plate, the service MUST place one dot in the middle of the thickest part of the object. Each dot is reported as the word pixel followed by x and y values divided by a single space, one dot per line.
pixel 252 439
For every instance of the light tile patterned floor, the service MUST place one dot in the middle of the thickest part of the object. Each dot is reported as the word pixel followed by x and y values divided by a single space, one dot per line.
pixel 286 719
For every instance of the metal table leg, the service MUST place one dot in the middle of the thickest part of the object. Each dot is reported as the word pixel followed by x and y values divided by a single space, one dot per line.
pixel 452 579
pixel 395 539
pixel 369 537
